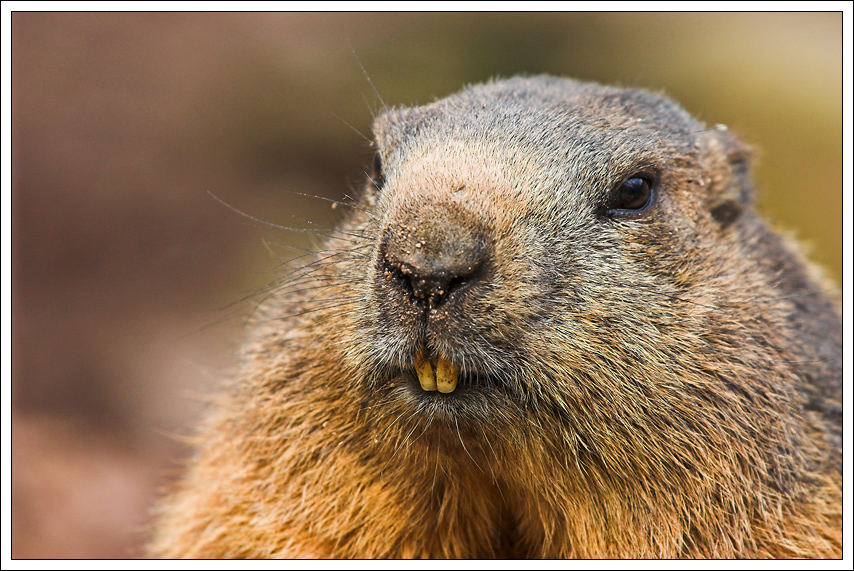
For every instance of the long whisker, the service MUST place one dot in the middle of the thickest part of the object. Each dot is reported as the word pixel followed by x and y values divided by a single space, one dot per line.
pixel 358 132
pixel 328 233
pixel 460 436
pixel 368 77
pixel 351 203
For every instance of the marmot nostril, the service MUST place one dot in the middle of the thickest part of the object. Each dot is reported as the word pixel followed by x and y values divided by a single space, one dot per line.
pixel 438 253
pixel 431 287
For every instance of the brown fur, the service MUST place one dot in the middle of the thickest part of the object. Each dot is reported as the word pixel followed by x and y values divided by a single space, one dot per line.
pixel 660 385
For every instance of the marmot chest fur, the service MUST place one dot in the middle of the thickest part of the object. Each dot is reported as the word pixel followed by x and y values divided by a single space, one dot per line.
pixel 552 326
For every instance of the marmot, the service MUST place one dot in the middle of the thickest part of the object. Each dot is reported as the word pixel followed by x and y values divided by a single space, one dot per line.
pixel 552 326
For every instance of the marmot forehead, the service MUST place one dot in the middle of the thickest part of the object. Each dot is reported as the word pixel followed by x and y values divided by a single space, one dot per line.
pixel 542 112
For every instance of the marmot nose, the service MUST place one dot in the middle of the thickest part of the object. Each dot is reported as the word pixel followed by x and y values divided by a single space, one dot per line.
pixel 435 254
pixel 430 285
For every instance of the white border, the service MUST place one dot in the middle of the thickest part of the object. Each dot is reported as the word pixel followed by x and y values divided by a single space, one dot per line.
pixel 6 295
pixel 5 216
pixel 847 252
pixel 438 6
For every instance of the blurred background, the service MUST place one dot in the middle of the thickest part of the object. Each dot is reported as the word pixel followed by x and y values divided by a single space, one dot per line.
pixel 128 276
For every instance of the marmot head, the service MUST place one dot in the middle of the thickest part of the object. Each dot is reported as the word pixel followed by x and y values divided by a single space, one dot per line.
pixel 543 247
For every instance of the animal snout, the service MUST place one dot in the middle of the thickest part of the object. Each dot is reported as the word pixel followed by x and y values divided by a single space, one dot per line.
pixel 434 255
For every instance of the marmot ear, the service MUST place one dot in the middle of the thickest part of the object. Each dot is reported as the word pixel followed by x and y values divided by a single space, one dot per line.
pixel 732 186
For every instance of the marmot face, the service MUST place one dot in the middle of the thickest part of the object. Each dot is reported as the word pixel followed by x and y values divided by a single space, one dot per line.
pixel 560 253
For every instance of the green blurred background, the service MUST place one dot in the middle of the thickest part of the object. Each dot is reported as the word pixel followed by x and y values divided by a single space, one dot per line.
pixel 125 269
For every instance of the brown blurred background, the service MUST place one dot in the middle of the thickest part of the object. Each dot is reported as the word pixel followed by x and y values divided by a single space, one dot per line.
pixel 125 269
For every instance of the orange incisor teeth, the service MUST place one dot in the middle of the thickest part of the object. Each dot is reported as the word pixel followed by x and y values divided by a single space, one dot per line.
pixel 425 372
pixel 446 376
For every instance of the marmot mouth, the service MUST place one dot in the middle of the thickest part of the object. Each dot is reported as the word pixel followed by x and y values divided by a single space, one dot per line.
pixel 437 374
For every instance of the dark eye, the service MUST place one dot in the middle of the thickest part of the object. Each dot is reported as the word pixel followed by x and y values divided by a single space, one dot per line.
pixel 377 177
pixel 633 195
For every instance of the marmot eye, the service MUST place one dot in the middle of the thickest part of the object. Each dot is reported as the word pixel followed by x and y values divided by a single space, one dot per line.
pixel 633 196
pixel 377 177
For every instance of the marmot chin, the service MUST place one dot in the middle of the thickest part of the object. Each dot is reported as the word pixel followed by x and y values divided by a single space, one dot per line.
pixel 552 326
